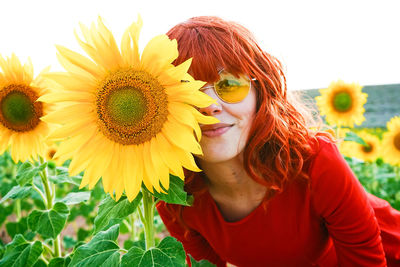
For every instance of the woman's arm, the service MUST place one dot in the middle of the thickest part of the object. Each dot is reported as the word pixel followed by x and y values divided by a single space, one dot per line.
pixel 193 243
pixel 342 202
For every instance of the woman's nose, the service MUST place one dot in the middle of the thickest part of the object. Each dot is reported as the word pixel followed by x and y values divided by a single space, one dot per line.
pixel 212 109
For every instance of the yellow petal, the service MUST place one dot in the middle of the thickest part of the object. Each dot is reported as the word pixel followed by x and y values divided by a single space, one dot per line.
pixel 132 182
pixel 181 112
pixel 130 44
pixel 180 135
pixel 164 148
pixel 159 164
pixel 79 61
pixel 158 53
pixel 172 75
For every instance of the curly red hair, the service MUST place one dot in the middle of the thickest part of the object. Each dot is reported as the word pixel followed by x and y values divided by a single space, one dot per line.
pixel 279 141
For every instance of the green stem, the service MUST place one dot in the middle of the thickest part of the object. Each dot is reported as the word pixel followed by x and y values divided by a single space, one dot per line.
pixel 18 208
pixel 49 198
pixel 44 259
pixel 148 222
pixel 40 194
pixel 132 226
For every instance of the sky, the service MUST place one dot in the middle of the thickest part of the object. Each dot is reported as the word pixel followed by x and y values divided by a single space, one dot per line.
pixel 318 41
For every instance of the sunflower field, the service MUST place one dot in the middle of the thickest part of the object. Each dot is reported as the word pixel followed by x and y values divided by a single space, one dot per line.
pixel 63 132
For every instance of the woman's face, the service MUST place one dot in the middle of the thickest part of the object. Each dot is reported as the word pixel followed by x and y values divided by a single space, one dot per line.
pixel 227 139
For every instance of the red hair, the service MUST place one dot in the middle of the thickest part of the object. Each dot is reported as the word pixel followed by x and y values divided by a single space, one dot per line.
pixel 279 141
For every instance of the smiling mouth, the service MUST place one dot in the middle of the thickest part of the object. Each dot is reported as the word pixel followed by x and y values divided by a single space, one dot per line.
pixel 215 129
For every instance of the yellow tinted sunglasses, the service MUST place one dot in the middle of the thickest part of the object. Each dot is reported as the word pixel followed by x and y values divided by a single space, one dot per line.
pixel 231 89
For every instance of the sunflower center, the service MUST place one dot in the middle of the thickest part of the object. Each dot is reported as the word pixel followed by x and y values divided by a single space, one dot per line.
pixel 367 148
pixel 342 101
pixel 132 107
pixel 396 141
pixel 18 109
pixel 51 153
pixel 126 105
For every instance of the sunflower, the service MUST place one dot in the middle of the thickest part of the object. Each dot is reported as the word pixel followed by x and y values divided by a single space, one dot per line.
pixel 127 118
pixel 20 113
pixel 369 152
pixel 391 142
pixel 342 103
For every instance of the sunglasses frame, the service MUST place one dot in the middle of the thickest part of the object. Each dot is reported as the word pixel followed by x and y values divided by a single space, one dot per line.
pixel 215 91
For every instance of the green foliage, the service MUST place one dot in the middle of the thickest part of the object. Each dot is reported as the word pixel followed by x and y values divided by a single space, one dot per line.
pixel 102 250
pixel 21 253
pixel 175 193
pixel 49 223
pixel 75 198
pixel 17 192
pixel 202 263
pixel 110 210
pixel 27 171
pixel 168 253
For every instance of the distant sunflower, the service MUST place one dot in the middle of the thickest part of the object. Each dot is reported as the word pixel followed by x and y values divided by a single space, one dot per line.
pixel 127 118
pixel 391 142
pixel 342 103
pixel 369 152
pixel 20 113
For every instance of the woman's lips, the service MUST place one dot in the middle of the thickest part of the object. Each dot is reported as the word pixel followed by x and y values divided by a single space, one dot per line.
pixel 215 129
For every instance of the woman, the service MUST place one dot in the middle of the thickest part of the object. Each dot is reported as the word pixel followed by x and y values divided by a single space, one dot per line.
pixel 272 193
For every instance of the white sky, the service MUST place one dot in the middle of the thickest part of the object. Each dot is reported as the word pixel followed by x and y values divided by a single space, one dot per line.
pixel 318 41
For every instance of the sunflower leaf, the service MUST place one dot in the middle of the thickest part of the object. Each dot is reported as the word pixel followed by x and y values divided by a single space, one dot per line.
pixel 202 263
pixel 59 262
pixel 17 192
pixel 176 193
pixel 27 171
pixel 21 253
pixel 350 136
pixel 109 210
pixel 49 223
pixel 168 253
pixel 62 176
pixel 102 250
pixel 75 198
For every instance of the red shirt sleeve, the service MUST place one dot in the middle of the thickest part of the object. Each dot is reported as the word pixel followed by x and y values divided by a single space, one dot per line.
pixel 342 202
pixel 193 243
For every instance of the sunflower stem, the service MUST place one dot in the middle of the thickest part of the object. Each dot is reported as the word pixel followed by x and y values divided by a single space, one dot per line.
pixel 40 194
pixel 148 222
pixel 50 197
pixel 18 208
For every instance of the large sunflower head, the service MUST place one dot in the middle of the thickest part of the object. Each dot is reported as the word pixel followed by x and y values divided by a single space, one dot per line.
pixel 342 103
pixel 391 142
pixel 127 118
pixel 20 112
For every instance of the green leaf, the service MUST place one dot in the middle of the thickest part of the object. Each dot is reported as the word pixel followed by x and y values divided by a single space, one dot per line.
pixel 17 192
pixel 27 171
pixel 4 212
pixel 350 136
pixel 69 242
pixel 110 209
pixel 59 262
pixel 102 250
pixel 21 253
pixel 14 228
pixel 40 263
pixel 76 197
pixel 168 253
pixel 176 193
pixel 202 263
pixel 62 176
pixel 82 234
pixel 49 223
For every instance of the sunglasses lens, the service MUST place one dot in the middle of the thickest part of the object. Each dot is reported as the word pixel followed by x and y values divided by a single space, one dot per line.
pixel 232 89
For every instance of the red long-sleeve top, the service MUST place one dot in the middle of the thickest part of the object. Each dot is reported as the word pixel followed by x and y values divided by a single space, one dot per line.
pixel 330 222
